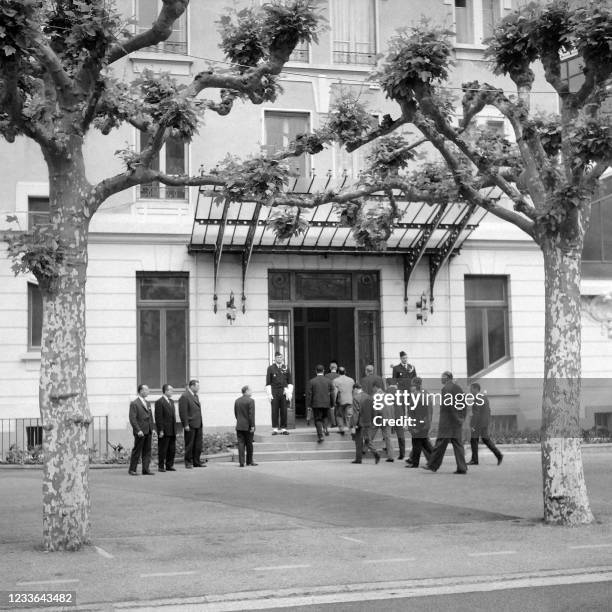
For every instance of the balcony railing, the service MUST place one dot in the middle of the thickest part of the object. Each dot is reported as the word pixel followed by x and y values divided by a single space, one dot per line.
pixel 168 46
pixel 363 54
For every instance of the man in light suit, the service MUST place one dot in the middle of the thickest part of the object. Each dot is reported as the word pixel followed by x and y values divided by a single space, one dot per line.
pixel 320 397
pixel 142 424
pixel 343 386
pixel 190 413
pixel 244 411
pixel 165 421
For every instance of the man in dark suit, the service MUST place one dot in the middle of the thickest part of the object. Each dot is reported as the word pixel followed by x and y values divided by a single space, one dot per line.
pixel 165 421
pixel 419 424
pixel 142 424
pixel 320 397
pixel 363 413
pixel 481 414
pixel 370 380
pixel 403 371
pixel 244 411
pixel 190 413
pixel 279 388
pixel 452 413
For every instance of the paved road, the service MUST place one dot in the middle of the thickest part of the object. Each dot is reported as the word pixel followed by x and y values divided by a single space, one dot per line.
pixel 299 525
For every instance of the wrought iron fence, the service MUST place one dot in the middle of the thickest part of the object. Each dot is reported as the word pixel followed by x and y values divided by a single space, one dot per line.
pixel 21 440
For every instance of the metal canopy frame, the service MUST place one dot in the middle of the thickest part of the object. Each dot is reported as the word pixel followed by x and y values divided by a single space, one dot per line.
pixel 436 231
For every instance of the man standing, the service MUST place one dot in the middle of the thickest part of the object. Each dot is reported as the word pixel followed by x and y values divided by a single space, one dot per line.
pixel 165 421
pixel 319 397
pixel 244 411
pixel 141 421
pixel 370 380
pixel 404 369
pixel 363 413
pixel 343 386
pixel 481 414
pixel 280 390
pixel 331 419
pixel 190 413
pixel 387 413
pixel 452 412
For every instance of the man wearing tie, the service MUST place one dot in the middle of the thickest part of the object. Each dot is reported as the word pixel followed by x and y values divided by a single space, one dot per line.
pixel 141 421
pixel 244 411
pixel 404 370
pixel 190 413
pixel 279 389
pixel 165 421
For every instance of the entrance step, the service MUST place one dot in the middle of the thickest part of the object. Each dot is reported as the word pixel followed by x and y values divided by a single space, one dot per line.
pixel 329 444
pixel 299 455
pixel 299 435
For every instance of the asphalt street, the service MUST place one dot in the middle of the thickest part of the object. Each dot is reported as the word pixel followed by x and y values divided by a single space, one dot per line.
pixel 303 528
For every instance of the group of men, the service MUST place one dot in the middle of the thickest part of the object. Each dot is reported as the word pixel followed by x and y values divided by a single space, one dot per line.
pixel 336 399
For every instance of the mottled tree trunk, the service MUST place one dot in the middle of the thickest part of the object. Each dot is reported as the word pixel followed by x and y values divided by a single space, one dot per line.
pixel 63 394
pixel 565 495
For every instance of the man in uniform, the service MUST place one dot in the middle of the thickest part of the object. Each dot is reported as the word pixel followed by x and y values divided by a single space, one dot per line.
pixel 280 390
pixel 404 370
pixel 165 421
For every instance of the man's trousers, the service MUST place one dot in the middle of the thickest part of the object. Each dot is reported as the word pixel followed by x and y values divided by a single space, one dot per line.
pixel 142 447
pixel 437 455
pixel 166 449
pixel 193 446
pixel 245 441
pixel 279 410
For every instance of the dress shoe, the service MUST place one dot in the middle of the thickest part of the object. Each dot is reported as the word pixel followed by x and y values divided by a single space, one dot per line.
pixel 200 465
pixel 472 462
pixel 400 457
pixel 411 465
pixel 390 460
pixel 285 432
pixel 500 459
pixel 188 466
pixel 326 432
pixel 355 461
pixel 408 461
pixel 319 440
pixel 148 474
pixel 241 465
pixel 429 469
pixel 459 472
pixel 133 473
pixel 376 458
pixel 252 464
pixel 275 432
pixel 161 470
pixel 170 469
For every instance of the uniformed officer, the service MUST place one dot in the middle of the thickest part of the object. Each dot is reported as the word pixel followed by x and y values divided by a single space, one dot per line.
pixel 280 390
pixel 404 369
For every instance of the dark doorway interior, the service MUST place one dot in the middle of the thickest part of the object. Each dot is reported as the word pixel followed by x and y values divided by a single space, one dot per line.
pixel 320 335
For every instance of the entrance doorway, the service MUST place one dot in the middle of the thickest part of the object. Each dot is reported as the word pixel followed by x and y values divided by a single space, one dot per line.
pixel 321 335
pixel 316 317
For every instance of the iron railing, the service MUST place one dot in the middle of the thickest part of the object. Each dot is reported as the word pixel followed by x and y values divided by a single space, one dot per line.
pixel 21 439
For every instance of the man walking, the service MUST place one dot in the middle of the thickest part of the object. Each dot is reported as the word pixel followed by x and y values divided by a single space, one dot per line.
pixel 363 413
pixel 280 390
pixel 449 428
pixel 165 421
pixel 142 424
pixel 331 419
pixel 398 413
pixel 370 380
pixel 319 397
pixel 419 424
pixel 387 414
pixel 244 411
pixel 190 413
pixel 481 414
pixel 343 386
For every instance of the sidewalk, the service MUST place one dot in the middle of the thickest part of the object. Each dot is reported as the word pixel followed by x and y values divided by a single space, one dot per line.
pixel 301 525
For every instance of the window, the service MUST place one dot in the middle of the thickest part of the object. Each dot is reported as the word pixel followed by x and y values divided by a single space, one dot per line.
pixel 163 309
pixel 363 286
pixel 38 211
pixel 280 129
pixel 147 12
pixel 603 421
pixel 34 436
pixel 486 321
pixel 301 53
pixel 354 31
pixel 35 316
pixel 475 20
pixel 598 238
pixel 171 159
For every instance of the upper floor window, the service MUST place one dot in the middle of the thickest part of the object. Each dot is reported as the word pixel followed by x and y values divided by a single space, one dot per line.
pixel 486 321
pixel 476 19
pixel 38 211
pixel 598 238
pixel 147 12
pixel 281 128
pixel 354 31
pixel 35 316
pixel 171 159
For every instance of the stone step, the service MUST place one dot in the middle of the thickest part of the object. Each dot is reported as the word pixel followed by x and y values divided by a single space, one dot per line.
pixel 301 455
pixel 299 435
pixel 285 445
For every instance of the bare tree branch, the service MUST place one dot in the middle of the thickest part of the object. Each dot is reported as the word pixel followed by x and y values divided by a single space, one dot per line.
pixel 160 30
